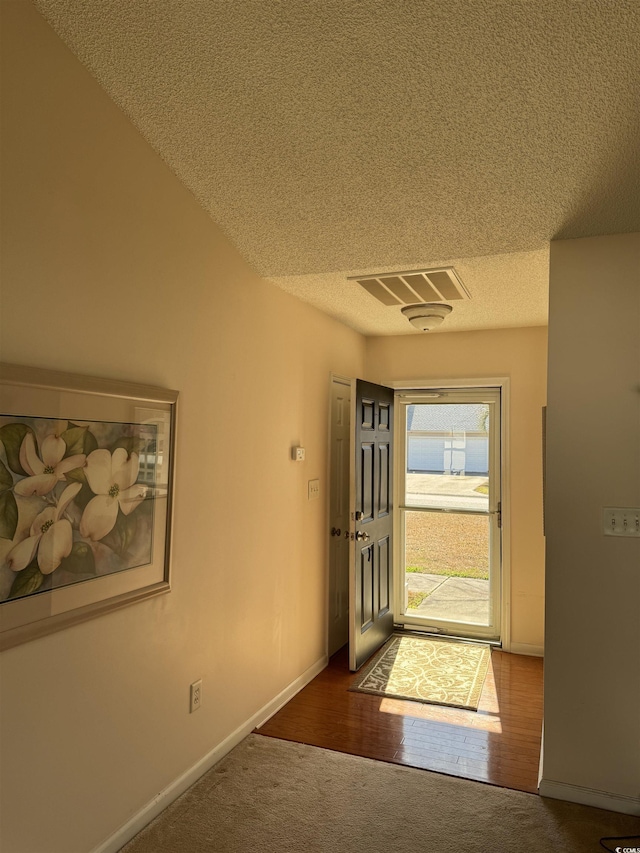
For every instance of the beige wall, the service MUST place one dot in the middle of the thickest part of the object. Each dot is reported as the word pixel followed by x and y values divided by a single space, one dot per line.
pixel 519 354
pixel 111 268
pixel 592 688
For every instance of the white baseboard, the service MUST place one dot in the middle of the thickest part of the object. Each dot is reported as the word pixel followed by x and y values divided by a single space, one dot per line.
pixel 527 649
pixel 589 797
pixel 153 808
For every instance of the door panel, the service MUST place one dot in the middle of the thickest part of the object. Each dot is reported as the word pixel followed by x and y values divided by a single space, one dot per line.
pixel 371 564
pixel 367 586
pixel 385 580
pixel 385 417
pixel 384 499
pixel 367 483
pixel 368 413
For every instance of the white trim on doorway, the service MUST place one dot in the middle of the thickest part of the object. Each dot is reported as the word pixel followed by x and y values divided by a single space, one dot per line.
pixel 503 383
pixel 338 379
pixel 527 649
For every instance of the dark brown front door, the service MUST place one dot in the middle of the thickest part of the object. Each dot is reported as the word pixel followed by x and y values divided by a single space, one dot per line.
pixel 371 563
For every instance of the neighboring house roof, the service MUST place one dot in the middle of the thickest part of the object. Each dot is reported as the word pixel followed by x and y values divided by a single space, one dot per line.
pixel 443 417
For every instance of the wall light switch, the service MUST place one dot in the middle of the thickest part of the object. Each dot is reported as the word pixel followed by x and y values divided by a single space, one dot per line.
pixel 297 454
pixel 621 521
pixel 314 489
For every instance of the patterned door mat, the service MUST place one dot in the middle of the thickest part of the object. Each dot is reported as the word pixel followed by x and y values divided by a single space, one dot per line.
pixel 438 672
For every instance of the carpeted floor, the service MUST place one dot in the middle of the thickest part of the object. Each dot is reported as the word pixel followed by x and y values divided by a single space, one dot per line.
pixel 273 796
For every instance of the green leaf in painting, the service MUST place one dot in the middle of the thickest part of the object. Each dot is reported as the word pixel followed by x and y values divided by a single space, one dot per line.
pixel 90 442
pixel 74 439
pixel 12 436
pixel 27 581
pixel 6 480
pixel 132 444
pixel 128 528
pixel 78 439
pixel 76 475
pixel 80 561
pixel 123 533
pixel 8 515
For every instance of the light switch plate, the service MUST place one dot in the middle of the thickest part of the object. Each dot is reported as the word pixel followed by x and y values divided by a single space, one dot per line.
pixel 314 489
pixel 621 521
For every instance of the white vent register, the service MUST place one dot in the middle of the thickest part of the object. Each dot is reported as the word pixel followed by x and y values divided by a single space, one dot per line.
pixel 441 284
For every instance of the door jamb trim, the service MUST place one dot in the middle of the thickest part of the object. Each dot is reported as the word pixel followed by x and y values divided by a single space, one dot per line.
pixel 504 383
pixel 338 379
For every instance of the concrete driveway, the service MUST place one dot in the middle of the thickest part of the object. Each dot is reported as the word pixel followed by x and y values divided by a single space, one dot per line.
pixel 451 599
pixel 444 491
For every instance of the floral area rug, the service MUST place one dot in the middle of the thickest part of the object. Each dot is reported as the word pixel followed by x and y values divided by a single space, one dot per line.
pixel 438 672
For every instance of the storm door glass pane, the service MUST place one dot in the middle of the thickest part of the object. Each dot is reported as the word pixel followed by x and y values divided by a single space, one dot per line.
pixel 447 566
pixel 447 526
pixel 447 462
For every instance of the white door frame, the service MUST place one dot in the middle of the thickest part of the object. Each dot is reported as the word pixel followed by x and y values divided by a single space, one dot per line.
pixel 334 378
pixel 503 383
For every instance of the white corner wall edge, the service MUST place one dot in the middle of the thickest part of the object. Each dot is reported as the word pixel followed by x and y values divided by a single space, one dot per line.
pixel 160 802
pixel 589 797
pixel 527 649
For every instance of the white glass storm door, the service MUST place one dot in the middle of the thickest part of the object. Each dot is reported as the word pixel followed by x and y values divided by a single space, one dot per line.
pixel 449 541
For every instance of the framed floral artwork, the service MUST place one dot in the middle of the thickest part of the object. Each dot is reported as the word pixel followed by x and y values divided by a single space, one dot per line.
pixel 86 494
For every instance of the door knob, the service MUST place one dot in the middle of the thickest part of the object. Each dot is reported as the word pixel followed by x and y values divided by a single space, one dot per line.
pixel 335 531
pixel 362 536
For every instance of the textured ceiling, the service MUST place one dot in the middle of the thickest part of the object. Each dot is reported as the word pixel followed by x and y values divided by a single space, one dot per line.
pixel 506 290
pixel 337 138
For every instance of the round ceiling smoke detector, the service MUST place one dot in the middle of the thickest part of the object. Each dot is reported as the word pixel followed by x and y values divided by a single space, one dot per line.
pixel 427 315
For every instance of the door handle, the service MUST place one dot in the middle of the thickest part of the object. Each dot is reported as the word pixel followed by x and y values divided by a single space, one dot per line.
pixel 362 536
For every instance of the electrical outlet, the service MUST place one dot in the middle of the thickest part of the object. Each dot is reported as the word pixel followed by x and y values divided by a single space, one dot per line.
pixel 314 489
pixel 621 521
pixel 195 696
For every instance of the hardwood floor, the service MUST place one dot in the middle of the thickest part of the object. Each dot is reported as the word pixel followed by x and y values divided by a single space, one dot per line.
pixel 498 744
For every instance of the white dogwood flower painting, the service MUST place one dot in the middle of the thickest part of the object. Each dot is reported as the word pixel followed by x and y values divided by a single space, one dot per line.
pixel 51 537
pixel 86 498
pixel 112 478
pixel 76 501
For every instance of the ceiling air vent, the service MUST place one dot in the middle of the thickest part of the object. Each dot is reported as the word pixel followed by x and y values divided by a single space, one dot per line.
pixel 404 288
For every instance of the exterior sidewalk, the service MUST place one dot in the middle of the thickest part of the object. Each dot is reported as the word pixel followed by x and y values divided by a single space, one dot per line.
pixel 454 599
